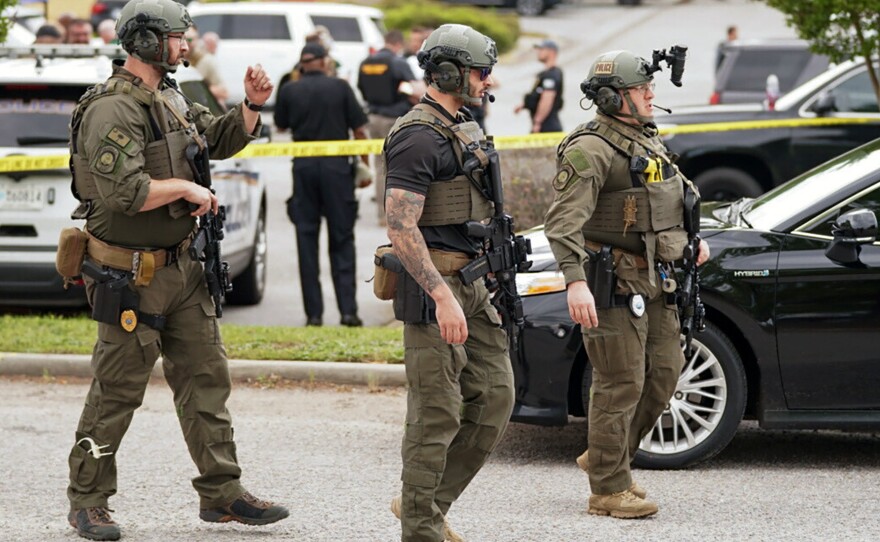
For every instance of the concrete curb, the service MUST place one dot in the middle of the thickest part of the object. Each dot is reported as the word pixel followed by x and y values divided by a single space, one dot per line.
pixel 373 374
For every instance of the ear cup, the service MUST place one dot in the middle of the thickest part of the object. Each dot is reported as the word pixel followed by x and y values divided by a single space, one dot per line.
pixel 146 44
pixel 587 89
pixel 608 100
pixel 448 77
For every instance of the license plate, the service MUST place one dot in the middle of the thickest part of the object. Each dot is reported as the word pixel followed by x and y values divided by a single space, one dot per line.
pixel 21 197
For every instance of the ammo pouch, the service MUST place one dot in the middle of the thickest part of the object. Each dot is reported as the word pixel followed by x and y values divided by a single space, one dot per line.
pixel 387 272
pixel 600 276
pixel 411 304
pixel 71 252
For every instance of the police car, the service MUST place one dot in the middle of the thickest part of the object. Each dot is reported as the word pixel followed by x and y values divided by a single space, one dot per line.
pixel 39 87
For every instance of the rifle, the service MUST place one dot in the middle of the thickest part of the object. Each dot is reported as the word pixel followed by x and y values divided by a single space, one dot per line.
pixel 504 252
pixel 690 307
pixel 206 244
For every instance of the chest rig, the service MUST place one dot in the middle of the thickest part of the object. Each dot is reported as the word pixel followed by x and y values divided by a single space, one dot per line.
pixel 466 196
pixel 641 211
pixel 168 114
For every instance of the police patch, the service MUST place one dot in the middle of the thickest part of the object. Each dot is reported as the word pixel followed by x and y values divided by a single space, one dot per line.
pixel 106 160
pixel 116 136
pixel 604 68
pixel 562 179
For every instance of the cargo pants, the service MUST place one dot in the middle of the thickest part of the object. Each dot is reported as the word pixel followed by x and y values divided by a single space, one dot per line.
pixel 194 361
pixel 636 364
pixel 459 401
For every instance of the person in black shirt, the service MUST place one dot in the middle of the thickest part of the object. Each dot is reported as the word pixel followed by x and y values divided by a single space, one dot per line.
pixel 320 108
pixel 460 382
pixel 545 99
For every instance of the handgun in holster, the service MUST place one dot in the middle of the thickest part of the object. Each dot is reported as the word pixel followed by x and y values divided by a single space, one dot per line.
pixel 112 294
pixel 600 276
pixel 411 304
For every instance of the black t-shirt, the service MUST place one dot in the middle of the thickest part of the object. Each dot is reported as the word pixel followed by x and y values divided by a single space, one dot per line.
pixel 318 108
pixel 400 71
pixel 415 157
pixel 549 79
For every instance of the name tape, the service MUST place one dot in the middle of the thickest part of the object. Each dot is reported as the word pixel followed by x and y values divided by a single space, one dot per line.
pixel 302 149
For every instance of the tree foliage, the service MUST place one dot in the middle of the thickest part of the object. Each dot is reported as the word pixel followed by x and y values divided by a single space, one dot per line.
pixel 841 29
pixel 5 22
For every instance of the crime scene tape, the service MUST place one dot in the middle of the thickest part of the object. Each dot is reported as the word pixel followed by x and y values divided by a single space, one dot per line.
pixel 374 146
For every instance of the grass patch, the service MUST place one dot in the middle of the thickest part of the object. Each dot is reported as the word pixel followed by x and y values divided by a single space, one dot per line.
pixel 76 335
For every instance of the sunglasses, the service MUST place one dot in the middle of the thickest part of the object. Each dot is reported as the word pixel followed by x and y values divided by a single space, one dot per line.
pixel 485 73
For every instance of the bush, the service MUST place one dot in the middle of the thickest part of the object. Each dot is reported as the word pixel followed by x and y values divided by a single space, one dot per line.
pixel 528 184
pixel 404 14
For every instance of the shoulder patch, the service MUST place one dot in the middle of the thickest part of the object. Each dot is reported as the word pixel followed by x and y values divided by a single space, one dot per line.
pixel 117 136
pixel 579 161
pixel 563 178
pixel 106 159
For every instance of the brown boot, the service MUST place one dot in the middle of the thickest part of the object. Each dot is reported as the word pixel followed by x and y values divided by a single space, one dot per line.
pixel 448 534
pixel 94 523
pixel 623 505
pixel 584 463
pixel 246 509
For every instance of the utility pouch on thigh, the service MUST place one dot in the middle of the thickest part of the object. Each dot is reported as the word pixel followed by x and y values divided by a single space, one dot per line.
pixel 71 252
pixel 387 272
pixel 600 276
pixel 411 304
pixel 114 303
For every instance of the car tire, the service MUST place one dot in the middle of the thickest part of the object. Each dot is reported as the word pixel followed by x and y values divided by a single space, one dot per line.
pixel 249 287
pixel 727 184
pixel 530 8
pixel 705 410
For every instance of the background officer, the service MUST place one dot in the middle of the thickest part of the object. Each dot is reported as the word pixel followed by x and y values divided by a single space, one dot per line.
pixel 460 383
pixel 318 108
pixel 126 135
pixel 545 99
pixel 632 339
pixel 390 89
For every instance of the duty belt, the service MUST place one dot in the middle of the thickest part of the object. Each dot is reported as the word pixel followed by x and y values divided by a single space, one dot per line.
pixel 618 253
pixel 143 264
pixel 448 263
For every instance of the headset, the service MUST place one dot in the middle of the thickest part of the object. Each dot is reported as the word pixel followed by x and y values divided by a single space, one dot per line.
pixel 145 43
pixel 446 74
pixel 606 98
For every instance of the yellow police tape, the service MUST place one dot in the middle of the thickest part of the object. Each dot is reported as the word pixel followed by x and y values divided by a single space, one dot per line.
pixel 374 146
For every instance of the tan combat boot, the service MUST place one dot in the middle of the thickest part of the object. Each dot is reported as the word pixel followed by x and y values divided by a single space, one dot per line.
pixel 623 505
pixel 448 534
pixel 584 463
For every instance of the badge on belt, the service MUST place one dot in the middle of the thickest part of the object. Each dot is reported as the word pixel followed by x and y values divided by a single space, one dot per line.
pixel 637 305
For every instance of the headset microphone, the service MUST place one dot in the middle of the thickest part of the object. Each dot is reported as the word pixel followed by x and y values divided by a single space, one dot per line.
pixel 662 108
pixel 490 97
pixel 186 65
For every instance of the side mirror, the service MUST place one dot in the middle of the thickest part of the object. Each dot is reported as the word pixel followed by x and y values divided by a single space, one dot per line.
pixel 851 230
pixel 824 105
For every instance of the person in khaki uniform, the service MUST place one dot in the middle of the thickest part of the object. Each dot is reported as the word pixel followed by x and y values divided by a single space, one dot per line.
pixel 632 335
pixel 460 382
pixel 128 140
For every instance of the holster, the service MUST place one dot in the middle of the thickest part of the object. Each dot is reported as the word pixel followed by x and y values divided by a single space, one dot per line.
pixel 386 273
pixel 115 302
pixel 411 304
pixel 600 276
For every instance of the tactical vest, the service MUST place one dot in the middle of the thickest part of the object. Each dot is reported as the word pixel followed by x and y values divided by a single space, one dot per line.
pixel 376 82
pixel 642 217
pixel 164 158
pixel 461 198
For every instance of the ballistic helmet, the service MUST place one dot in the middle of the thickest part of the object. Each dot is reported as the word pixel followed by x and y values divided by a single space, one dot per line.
pixel 449 51
pixel 612 72
pixel 143 29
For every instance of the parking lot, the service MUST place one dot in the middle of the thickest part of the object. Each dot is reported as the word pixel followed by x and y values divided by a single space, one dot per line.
pixel 332 456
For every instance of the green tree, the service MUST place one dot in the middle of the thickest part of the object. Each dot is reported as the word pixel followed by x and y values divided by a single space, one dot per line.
pixel 841 29
pixel 5 22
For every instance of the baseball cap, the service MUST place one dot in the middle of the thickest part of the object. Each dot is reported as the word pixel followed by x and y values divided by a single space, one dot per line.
pixel 312 51
pixel 547 44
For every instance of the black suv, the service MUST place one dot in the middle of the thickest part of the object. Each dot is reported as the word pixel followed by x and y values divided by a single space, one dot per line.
pixel 732 151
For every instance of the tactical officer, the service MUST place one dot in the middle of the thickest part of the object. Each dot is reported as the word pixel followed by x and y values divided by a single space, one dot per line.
pixel 619 194
pixel 319 108
pixel 544 101
pixel 460 392
pixel 129 143
pixel 389 87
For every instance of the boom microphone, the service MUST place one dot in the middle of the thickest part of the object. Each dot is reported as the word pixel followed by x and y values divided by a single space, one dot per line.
pixel 491 98
pixel 185 63
pixel 662 108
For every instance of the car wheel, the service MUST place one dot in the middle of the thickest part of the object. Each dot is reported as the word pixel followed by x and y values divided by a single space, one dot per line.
pixel 705 410
pixel 530 8
pixel 248 288
pixel 726 184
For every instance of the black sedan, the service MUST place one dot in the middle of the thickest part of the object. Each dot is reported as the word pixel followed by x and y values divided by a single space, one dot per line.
pixel 792 295
pixel 731 151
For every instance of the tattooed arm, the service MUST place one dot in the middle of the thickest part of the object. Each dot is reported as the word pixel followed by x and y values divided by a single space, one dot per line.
pixel 403 210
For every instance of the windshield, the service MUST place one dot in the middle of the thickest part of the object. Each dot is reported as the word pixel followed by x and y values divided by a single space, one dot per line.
pixel 787 199
pixel 36 115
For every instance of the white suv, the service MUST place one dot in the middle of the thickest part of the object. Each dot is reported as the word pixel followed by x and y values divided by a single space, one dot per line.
pixel 273 34
pixel 37 96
